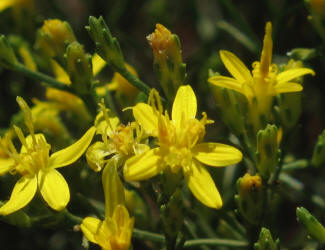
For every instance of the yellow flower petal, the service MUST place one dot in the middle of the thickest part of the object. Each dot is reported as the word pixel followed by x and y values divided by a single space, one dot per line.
pixel 216 154
pixel 147 118
pixel 143 166
pixel 113 188
pixel 235 66
pixel 226 82
pixel 89 227
pixel 202 186
pixel 185 106
pixel 5 165
pixel 54 189
pixel 287 87
pixel 60 73
pixel 72 153
pixel 98 64
pixel 21 195
pixel 291 74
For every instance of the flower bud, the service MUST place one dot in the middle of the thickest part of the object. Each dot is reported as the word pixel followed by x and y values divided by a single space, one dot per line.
pixel 315 229
pixel 53 38
pixel 289 104
pixel 250 197
pixel 266 242
pixel 319 151
pixel 7 55
pixel 230 108
pixel 106 46
pixel 267 151
pixel 168 63
pixel 79 67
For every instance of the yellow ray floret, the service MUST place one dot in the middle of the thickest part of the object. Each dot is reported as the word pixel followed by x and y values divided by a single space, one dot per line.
pixel 264 81
pixel 38 168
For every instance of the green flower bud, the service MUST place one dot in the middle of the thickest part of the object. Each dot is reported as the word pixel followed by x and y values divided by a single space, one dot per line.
pixel 106 46
pixel 230 106
pixel 266 242
pixel 168 63
pixel 319 151
pixel 315 229
pixel 79 68
pixel 267 151
pixel 7 55
pixel 289 106
pixel 250 198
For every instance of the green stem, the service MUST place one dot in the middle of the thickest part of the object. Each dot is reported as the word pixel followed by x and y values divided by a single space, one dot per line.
pixel 135 81
pixel 215 242
pixel 145 235
pixel 50 81
pixel 71 218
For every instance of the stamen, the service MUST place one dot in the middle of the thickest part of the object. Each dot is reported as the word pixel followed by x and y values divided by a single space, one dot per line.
pixel 21 137
pixel 155 102
pixel 27 116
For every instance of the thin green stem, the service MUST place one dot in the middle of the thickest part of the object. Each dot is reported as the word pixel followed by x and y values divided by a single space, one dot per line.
pixel 215 242
pixel 135 81
pixel 71 218
pixel 145 235
pixel 50 81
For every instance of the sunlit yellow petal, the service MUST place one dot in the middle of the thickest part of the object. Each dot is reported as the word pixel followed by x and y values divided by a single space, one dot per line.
pixel 89 227
pixel 143 166
pixel 226 82
pixel 147 118
pixel 21 195
pixel 5 165
pixel 202 186
pixel 185 106
pixel 72 153
pixel 291 74
pixel 287 87
pixel 216 154
pixel 54 188
pixel 98 64
pixel 235 66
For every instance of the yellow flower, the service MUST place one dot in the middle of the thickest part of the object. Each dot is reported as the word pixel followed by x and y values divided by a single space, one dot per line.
pixel 38 168
pixel 180 147
pixel 117 139
pixel 114 233
pixel 264 82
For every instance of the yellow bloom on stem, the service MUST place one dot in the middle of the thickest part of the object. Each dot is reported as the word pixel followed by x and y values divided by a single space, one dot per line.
pixel 117 139
pixel 180 147
pixel 38 167
pixel 115 231
pixel 264 82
